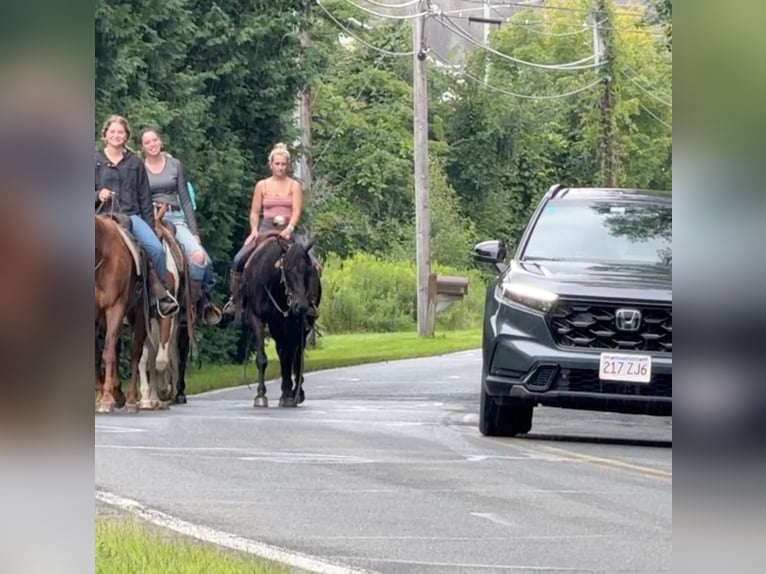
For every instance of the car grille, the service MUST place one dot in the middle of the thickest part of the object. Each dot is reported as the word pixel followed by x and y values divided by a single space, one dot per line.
pixel 587 381
pixel 591 325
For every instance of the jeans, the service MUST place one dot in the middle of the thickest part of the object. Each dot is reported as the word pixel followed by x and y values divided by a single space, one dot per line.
pixel 150 243
pixel 190 245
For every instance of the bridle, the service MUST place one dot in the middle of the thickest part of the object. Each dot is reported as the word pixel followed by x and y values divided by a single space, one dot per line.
pixel 283 281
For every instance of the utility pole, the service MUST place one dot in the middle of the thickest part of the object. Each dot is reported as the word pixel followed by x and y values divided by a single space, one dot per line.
pixel 486 41
pixel 305 112
pixel 603 24
pixel 422 208
pixel 486 20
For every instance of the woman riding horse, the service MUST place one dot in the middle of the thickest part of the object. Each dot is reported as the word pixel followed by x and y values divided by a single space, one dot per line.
pixel 167 181
pixel 281 198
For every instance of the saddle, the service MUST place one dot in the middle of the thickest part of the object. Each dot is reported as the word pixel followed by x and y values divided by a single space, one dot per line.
pixel 125 227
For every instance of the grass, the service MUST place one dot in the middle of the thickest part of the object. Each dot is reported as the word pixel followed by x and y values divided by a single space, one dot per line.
pixel 126 546
pixel 339 351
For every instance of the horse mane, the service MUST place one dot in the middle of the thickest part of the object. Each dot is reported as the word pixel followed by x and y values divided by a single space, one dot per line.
pixel 262 266
pixel 263 269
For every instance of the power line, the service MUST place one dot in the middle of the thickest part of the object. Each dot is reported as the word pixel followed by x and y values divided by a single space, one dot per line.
pixel 643 89
pixel 360 40
pixel 386 16
pixel 500 4
pixel 648 111
pixel 566 67
pixel 462 72
pixel 402 5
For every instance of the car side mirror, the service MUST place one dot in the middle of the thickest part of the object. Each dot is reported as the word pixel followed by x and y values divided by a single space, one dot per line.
pixel 492 251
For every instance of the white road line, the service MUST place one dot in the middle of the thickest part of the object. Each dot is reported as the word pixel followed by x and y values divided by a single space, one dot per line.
pixel 494 518
pixel 116 429
pixel 225 539
pixel 466 538
pixel 509 567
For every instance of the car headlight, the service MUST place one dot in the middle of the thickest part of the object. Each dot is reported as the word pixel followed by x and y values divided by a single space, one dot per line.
pixel 529 296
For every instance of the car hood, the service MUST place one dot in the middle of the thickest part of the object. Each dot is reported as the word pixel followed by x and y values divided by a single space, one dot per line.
pixel 597 280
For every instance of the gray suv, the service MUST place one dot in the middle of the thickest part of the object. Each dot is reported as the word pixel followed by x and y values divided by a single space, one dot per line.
pixel 581 317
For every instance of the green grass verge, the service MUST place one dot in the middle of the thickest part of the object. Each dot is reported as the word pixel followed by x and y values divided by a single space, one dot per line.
pixel 338 351
pixel 126 546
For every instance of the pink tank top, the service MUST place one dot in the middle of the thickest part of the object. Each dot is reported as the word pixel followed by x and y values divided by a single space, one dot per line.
pixel 274 205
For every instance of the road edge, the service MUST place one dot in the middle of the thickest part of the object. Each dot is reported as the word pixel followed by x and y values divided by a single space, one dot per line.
pixel 225 539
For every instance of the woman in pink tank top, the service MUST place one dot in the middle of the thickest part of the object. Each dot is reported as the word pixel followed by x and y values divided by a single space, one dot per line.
pixel 280 199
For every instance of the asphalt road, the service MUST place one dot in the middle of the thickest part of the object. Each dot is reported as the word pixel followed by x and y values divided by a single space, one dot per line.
pixel 383 469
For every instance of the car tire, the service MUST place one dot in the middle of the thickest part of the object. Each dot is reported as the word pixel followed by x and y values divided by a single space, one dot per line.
pixel 504 420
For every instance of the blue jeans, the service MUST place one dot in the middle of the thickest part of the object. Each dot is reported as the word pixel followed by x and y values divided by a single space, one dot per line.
pixel 151 245
pixel 190 245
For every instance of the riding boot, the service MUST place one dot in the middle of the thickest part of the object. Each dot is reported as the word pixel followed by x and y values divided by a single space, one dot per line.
pixel 205 309
pixel 232 307
pixel 166 303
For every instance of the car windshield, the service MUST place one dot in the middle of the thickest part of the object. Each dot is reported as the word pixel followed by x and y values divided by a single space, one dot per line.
pixel 609 231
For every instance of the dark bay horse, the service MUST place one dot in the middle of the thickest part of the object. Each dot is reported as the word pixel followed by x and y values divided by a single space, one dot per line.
pixel 119 295
pixel 278 278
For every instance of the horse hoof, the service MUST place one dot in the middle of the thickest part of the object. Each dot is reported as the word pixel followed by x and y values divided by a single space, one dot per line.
pixel 146 405
pixel 287 402
pixel 180 399
pixel 301 397
pixel 164 405
pixel 261 401
pixel 131 408
pixel 105 407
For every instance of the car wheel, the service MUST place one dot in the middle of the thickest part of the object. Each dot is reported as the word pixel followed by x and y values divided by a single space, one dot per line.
pixel 506 419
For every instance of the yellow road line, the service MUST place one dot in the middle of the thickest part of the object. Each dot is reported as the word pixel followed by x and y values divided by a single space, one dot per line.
pixel 613 462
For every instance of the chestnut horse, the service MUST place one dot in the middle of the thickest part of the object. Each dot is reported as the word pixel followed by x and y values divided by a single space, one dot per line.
pixel 120 294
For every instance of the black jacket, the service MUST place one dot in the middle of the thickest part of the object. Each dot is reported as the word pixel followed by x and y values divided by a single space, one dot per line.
pixel 130 183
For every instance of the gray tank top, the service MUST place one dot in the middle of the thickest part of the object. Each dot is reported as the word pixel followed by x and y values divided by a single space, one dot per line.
pixel 164 185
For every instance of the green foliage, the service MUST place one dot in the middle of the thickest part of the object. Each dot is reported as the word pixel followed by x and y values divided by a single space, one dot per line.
pixel 364 293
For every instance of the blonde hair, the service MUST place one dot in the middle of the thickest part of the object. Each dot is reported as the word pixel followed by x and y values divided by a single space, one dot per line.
pixel 279 149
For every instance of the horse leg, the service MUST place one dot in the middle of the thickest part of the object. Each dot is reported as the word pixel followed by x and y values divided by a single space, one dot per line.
pixel 161 362
pixel 298 365
pixel 137 339
pixel 113 316
pixel 261 361
pixel 144 370
pixel 286 362
pixel 167 379
pixel 119 396
pixel 183 353
pixel 99 378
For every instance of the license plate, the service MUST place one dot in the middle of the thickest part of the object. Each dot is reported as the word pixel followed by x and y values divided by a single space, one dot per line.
pixel 625 368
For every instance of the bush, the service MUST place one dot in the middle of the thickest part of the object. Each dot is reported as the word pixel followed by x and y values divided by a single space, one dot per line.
pixel 366 294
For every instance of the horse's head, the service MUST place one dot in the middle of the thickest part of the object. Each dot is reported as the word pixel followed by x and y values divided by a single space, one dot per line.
pixel 296 272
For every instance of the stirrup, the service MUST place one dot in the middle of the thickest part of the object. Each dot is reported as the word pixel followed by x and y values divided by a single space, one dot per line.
pixel 211 315
pixel 229 308
pixel 172 301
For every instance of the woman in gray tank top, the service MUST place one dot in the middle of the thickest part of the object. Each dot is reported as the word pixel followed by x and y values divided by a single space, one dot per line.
pixel 168 184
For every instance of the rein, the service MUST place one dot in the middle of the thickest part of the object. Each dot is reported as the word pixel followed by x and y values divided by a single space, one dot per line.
pixel 282 280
